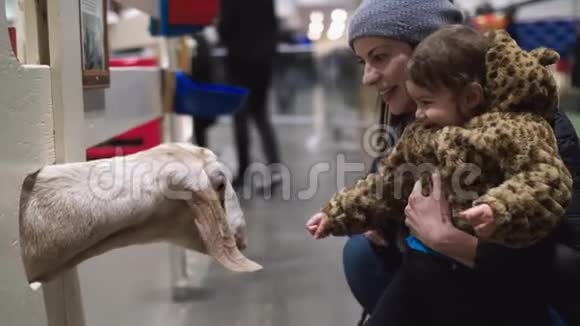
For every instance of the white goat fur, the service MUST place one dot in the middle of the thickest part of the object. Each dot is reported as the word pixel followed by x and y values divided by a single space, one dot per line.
pixel 177 193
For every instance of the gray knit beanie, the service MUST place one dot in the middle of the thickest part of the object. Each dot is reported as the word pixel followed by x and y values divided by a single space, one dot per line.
pixel 404 20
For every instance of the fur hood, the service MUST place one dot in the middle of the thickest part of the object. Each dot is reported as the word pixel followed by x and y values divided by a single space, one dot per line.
pixel 518 80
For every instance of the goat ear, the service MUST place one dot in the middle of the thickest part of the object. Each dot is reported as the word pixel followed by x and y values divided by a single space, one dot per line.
pixel 215 233
pixel 232 204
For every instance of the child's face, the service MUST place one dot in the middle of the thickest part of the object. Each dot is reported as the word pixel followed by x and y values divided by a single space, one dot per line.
pixel 438 109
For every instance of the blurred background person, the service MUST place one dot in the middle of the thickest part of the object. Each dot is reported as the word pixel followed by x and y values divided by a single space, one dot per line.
pixel 201 71
pixel 249 32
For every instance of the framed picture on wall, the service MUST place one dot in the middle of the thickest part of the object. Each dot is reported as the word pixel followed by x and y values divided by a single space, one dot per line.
pixel 94 43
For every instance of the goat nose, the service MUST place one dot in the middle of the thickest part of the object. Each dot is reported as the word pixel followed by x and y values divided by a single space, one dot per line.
pixel 240 242
pixel 240 236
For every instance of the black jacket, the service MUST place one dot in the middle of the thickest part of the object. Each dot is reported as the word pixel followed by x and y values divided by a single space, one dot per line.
pixel 570 152
pixel 562 277
pixel 248 29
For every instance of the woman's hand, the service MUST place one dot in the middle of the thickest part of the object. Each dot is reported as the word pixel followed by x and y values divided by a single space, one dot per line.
pixel 318 225
pixel 428 219
pixel 428 216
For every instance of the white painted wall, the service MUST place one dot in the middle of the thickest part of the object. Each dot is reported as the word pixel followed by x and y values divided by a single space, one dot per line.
pixel 26 144
pixel 131 32
pixel 151 7
pixel 134 98
pixel 11 9
pixel 321 2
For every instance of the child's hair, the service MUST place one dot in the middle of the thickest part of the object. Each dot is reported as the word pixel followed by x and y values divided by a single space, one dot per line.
pixel 449 58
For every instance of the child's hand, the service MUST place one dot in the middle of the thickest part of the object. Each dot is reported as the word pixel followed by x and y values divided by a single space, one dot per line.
pixel 318 225
pixel 482 218
pixel 376 237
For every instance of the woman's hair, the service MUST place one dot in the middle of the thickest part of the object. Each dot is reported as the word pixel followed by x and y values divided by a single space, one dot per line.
pixel 449 58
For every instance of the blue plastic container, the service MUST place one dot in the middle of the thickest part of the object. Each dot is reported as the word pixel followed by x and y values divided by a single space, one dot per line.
pixel 206 100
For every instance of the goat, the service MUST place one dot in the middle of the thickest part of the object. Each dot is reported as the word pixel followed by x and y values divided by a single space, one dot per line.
pixel 176 193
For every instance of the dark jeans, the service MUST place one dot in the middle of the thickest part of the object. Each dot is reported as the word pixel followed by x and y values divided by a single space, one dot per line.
pixel 566 284
pixel 373 273
pixel 368 269
pixel 200 129
pixel 256 76
pixel 430 290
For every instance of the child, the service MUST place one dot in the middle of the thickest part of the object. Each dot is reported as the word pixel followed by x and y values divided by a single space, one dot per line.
pixel 484 109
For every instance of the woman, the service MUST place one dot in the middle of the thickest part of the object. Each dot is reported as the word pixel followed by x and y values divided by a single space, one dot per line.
pixel 383 34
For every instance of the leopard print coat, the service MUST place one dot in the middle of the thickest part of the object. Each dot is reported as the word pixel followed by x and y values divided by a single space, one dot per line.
pixel 507 157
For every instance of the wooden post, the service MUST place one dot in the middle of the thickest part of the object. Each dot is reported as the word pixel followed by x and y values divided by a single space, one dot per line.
pixel 63 295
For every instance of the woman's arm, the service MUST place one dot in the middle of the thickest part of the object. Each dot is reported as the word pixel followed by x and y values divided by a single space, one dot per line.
pixel 428 219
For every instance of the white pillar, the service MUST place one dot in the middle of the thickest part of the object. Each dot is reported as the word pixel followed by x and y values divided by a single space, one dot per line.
pixel 63 296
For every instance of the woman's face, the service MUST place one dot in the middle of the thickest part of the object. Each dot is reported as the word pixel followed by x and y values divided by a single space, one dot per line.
pixel 385 61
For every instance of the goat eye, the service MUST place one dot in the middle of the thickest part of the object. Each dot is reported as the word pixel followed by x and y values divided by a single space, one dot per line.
pixel 221 190
pixel 221 187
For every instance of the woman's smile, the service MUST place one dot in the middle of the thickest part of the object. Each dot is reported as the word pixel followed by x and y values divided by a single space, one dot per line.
pixel 388 93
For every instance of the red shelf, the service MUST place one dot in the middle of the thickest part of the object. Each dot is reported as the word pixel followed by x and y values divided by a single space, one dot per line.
pixel 145 136
pixel 133 62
